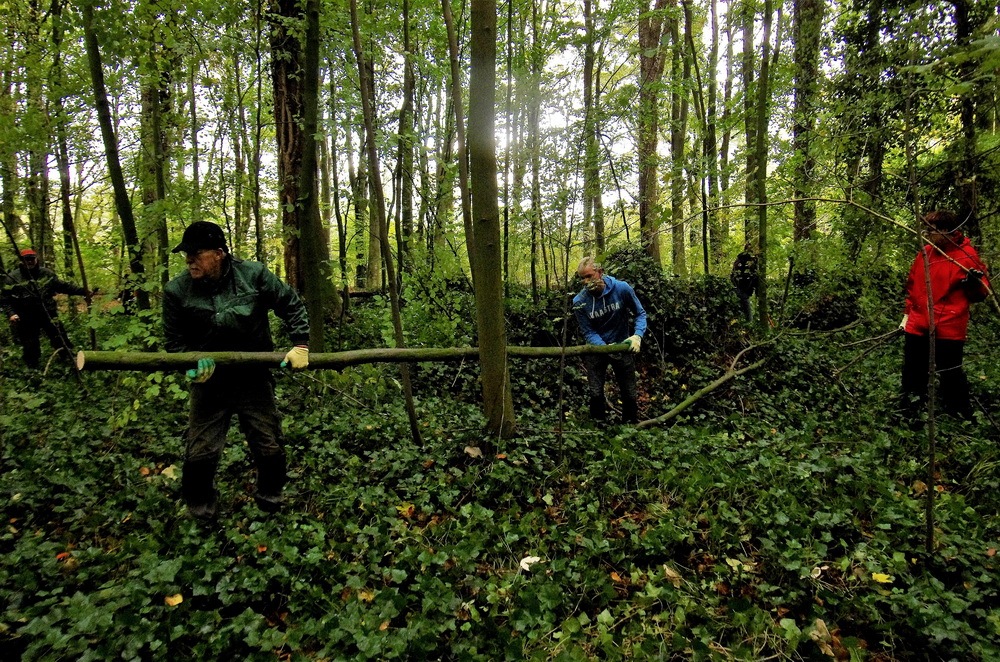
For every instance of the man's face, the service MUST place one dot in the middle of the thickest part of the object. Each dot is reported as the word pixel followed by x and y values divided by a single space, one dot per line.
pixel 30 261
pixel 205 263
pixel 593 279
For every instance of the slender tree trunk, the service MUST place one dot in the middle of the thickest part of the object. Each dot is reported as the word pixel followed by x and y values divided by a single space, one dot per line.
pixel 379 198
pixel 463 156
pixel 760 158
pixel 718 233
pixel 498 404
pixel 680 74
pixel 122 203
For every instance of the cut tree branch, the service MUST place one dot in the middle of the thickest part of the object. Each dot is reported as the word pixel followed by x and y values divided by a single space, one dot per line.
pixel 154 361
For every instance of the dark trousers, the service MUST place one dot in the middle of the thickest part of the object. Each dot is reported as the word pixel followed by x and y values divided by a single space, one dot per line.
pixel 28 330
pixel 623 366
pixel 744 297
pixel 250 397
pixel 952 386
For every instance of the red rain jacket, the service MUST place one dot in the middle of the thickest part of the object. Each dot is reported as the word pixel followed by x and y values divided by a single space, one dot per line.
pixel 951 296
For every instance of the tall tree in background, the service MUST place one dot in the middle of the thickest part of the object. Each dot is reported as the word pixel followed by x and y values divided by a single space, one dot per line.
pixel 123 204
pixel 286 80
pixel 652 59
pixel 808 20
pixel 498 404
pixel 680 75
pixel 759 180
pixel 321 299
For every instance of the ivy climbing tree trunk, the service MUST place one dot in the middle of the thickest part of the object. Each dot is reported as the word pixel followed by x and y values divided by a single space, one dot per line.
pixel 808 18
pixel 652 59
pixel 497 401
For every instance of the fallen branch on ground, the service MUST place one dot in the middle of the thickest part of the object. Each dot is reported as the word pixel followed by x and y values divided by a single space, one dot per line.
pixel 730 374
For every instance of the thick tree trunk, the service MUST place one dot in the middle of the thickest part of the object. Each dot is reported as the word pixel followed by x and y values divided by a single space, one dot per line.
pixel 652 59
pixel 808 20
pixel 286 80
pixel 498 404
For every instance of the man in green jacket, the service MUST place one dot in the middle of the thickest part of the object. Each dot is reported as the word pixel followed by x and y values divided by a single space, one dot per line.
pixel 26 298
pixel 221 304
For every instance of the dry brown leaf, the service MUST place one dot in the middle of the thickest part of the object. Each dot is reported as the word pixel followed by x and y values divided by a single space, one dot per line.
pixel 174 600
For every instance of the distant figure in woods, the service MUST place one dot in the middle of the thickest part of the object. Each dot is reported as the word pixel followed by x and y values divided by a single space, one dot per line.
pixel 606 309
pixel 221 304
pixel 957 279
pixel 744 279
pixel 26 297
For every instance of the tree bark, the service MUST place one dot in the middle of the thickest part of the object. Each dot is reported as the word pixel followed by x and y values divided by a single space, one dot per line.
pixel 808 20
pixel 498 404
pixel 652 59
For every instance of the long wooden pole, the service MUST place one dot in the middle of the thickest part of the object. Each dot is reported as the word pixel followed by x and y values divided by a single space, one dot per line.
pixel 154 361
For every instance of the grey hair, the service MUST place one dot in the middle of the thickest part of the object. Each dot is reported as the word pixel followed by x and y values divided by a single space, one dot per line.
pixel 588 261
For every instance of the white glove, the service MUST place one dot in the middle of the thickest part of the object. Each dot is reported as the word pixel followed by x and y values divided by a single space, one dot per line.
pixel 634 342
pixel 902 324
pixel 297 357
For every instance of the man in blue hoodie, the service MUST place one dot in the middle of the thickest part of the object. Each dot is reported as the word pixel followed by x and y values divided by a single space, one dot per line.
pixel 606 308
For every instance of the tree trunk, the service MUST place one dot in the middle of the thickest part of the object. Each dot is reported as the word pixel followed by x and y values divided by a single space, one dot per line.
pixel 808 20
pixel 286 80
pixel 498 404
pixel 463 157
pixel 652 58
pixel 320 297
pixel 368 108
pixel 680 72
pixel 760 158
pixel 122 203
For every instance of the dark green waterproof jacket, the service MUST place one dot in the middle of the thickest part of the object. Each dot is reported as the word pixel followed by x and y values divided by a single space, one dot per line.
pixel 230 314
pixel 28 292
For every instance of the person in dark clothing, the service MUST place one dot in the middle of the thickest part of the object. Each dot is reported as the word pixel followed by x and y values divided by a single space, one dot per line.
pixel 744 279
pixel 605 309
pixel 221 304
pixel 957 279
pixel 27 301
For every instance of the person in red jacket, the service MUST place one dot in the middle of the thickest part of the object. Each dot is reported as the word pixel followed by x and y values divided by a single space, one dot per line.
pixel 957 279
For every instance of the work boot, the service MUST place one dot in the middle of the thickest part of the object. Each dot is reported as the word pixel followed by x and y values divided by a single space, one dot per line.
pixel 271 478
pixel 198 488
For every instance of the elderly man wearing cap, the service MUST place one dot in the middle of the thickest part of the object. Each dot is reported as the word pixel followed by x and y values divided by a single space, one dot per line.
pixel 27 301
pixel 221 304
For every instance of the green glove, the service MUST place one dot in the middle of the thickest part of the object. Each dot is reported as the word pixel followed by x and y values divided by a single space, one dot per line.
pixel 634 343
pixel 297 357
pixel 204 371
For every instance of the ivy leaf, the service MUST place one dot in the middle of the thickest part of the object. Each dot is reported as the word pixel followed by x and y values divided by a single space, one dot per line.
pixel 881 578
pixel 174 600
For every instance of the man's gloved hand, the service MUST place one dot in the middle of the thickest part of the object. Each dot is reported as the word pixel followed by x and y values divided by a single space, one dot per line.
pixel 634 343
pixel 204 371
pixel 297 357
pixel 902 323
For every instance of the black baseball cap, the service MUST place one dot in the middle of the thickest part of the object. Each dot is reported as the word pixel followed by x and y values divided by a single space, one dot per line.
pixel 201 235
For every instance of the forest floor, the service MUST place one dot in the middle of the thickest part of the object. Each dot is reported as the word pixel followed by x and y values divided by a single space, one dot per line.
pixel 782 517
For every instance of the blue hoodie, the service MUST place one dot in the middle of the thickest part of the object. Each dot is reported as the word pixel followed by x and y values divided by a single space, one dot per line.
pixel 604 319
